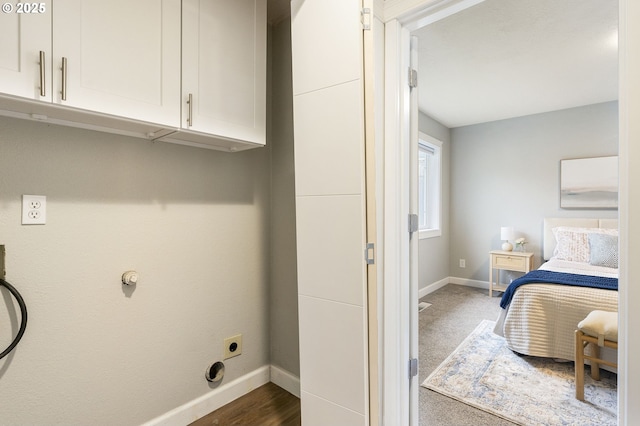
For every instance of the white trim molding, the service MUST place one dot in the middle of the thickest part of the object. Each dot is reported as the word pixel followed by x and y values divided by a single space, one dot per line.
pixel 418 13
pixel 469 283
pixel 629 114
pixel 397 298
pixel 211 401
pixel 433 287
pixel 286 380
pixel 452 280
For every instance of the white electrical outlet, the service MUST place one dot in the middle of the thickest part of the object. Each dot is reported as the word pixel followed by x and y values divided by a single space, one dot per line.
pixel 34 210
pixel 232 346
pixel 463 263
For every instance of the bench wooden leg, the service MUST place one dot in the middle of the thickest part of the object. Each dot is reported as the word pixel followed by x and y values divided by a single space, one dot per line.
pixel 595 367
pixel 579 366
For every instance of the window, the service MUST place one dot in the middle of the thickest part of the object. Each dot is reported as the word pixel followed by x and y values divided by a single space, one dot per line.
pixel 429 186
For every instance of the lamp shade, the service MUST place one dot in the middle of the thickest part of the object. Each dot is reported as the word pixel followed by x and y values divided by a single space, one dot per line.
pixel 506 233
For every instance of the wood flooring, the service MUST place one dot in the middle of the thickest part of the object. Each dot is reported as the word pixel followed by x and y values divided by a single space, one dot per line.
pixel 268 405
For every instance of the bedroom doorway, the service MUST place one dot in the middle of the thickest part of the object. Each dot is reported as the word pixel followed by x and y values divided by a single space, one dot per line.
pixel 415 21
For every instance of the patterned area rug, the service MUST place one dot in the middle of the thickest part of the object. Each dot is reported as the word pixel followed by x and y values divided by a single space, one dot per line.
pixel 484 373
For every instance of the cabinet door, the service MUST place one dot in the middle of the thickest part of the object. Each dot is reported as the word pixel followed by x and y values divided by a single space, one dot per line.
pixel 22 37
pixel 122 57
pixel 224 68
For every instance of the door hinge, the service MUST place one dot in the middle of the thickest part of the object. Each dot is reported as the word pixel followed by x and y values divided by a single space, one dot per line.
pixel 370 254
pixel 413 367
pixel 413 78
pixel 413 223
pixel 365 18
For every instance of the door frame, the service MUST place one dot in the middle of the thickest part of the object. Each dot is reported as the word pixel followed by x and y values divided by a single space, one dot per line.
pixel 396 393
pixel 400 328
pixel 402 17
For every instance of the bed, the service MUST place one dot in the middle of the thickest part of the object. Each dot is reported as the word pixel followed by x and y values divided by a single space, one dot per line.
pixel 540 319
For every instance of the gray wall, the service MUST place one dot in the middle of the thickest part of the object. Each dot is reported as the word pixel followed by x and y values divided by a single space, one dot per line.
pixel 284 285
pixel 194 223
pixel 433 264
pixel 508 173
pixel 199 228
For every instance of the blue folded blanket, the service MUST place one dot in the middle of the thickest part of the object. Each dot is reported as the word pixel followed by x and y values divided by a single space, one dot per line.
pixel 550 277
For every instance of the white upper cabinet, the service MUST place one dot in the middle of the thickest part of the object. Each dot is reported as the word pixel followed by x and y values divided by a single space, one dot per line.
pixel 224 68
pixel 118 57
pixel 190 72
pixel 24 39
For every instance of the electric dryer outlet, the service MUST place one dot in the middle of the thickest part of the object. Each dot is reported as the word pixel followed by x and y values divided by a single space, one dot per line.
pixel 232 346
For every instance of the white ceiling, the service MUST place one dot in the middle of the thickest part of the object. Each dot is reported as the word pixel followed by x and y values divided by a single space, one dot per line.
pixel 509 58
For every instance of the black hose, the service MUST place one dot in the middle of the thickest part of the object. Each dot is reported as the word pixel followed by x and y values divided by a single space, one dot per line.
pixel 23 324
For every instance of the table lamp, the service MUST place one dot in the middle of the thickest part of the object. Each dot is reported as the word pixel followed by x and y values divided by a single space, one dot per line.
pixel 506 234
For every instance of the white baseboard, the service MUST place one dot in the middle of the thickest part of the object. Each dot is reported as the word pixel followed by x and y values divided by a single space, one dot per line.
pixel 285 380
pixel 211 401
pixel 433 287
pixel 451 280
pixel 469 283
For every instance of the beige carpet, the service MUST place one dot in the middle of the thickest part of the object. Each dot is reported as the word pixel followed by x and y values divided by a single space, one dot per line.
pixel 484 373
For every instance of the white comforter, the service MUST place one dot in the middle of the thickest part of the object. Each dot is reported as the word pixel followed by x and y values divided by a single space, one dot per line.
pixel 542 318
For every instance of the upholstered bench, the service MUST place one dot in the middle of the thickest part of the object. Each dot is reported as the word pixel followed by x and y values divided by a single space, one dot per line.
pixel 601 329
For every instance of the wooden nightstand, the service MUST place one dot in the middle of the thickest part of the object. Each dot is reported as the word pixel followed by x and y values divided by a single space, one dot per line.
pixel 508 261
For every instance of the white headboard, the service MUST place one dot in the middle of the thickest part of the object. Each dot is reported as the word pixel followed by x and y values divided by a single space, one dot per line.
pixel 551 222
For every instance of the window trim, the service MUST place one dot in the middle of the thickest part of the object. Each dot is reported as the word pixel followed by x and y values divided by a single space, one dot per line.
pixel 435 145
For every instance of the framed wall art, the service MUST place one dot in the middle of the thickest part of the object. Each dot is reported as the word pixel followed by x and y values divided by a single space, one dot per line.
pixel 589 183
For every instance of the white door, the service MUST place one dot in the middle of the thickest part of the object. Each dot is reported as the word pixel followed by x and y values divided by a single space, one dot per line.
pixel 328 88
pixel 120 58
pixel 224 68
pixel 25 39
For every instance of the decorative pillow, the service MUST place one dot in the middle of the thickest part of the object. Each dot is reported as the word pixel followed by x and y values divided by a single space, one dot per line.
pixel 573 243
pixel 603 250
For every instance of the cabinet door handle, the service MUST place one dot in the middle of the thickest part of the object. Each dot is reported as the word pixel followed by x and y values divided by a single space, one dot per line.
pixel 43 90
pixel 190 110
pixel 64 78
